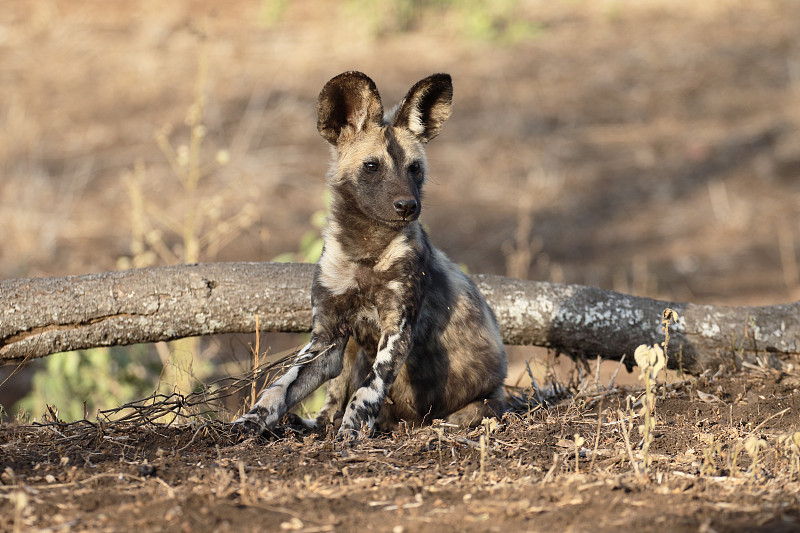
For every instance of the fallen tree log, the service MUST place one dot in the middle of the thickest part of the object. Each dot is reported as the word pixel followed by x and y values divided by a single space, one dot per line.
pixel 41 316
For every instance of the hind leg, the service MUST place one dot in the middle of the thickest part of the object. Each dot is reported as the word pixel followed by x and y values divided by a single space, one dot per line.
pixel 356 368
pixel 473 413
pixel 339 388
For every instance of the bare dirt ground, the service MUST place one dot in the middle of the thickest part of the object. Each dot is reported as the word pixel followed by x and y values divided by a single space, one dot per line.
pixel 649 147
pixel 531 476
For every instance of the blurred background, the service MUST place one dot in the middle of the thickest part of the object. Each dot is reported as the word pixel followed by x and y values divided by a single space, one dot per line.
pixel 650 147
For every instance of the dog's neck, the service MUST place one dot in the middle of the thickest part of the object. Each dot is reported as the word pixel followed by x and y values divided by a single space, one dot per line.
pixel 362 240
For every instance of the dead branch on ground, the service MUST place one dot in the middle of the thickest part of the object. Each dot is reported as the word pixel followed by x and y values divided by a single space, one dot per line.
pixel 41 316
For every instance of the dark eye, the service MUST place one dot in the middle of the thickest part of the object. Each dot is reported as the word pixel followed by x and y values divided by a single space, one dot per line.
pixel 372 166
pixel 414 167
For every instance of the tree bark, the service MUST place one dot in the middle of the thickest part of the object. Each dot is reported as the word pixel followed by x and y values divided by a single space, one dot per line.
pixel 42 316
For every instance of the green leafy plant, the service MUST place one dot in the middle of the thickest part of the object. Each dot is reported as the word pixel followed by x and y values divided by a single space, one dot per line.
pixel 271 12
pixel 500 21
pixel 80 382
pixel 310 246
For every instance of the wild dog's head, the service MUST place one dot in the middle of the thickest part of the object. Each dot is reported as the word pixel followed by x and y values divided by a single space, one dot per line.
pixel 381 166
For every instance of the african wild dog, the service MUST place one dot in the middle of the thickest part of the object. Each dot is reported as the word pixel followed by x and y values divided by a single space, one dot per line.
pixel 429 344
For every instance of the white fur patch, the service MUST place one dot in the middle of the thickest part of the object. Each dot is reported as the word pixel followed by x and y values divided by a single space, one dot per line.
pixel 385 355
pixel 415 121
pixel 349 427
pixel 250 417
pixel 394 286
pixel 337 273
pixel 301 355
pixel 375 393
pixel 275 394
pixel 370 394
pixel 397 249
pixel 308 422
pixel 364 395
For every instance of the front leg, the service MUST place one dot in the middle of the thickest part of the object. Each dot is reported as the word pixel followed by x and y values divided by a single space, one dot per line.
pixel 317 362
pixel 366 403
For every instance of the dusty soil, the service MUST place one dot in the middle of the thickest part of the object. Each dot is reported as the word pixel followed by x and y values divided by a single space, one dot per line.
pixel 199 477
pixel 650 148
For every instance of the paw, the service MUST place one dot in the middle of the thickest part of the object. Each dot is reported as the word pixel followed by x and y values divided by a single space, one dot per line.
pixel 247 425
pixel 299 423
pixel 338 418
pixel 352 429
pixel 348 435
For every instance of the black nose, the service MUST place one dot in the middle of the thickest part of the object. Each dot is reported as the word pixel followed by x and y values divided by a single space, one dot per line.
pixel 405 207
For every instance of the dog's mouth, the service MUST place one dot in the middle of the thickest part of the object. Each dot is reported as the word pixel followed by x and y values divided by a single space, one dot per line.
pixel 388 218
pixel 399 222
pixel 394 224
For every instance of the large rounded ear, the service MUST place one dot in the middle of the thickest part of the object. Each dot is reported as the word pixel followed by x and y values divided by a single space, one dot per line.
pixel 426 107
pixel 348 104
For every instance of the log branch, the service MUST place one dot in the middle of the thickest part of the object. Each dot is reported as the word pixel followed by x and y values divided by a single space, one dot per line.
pixel 42 316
